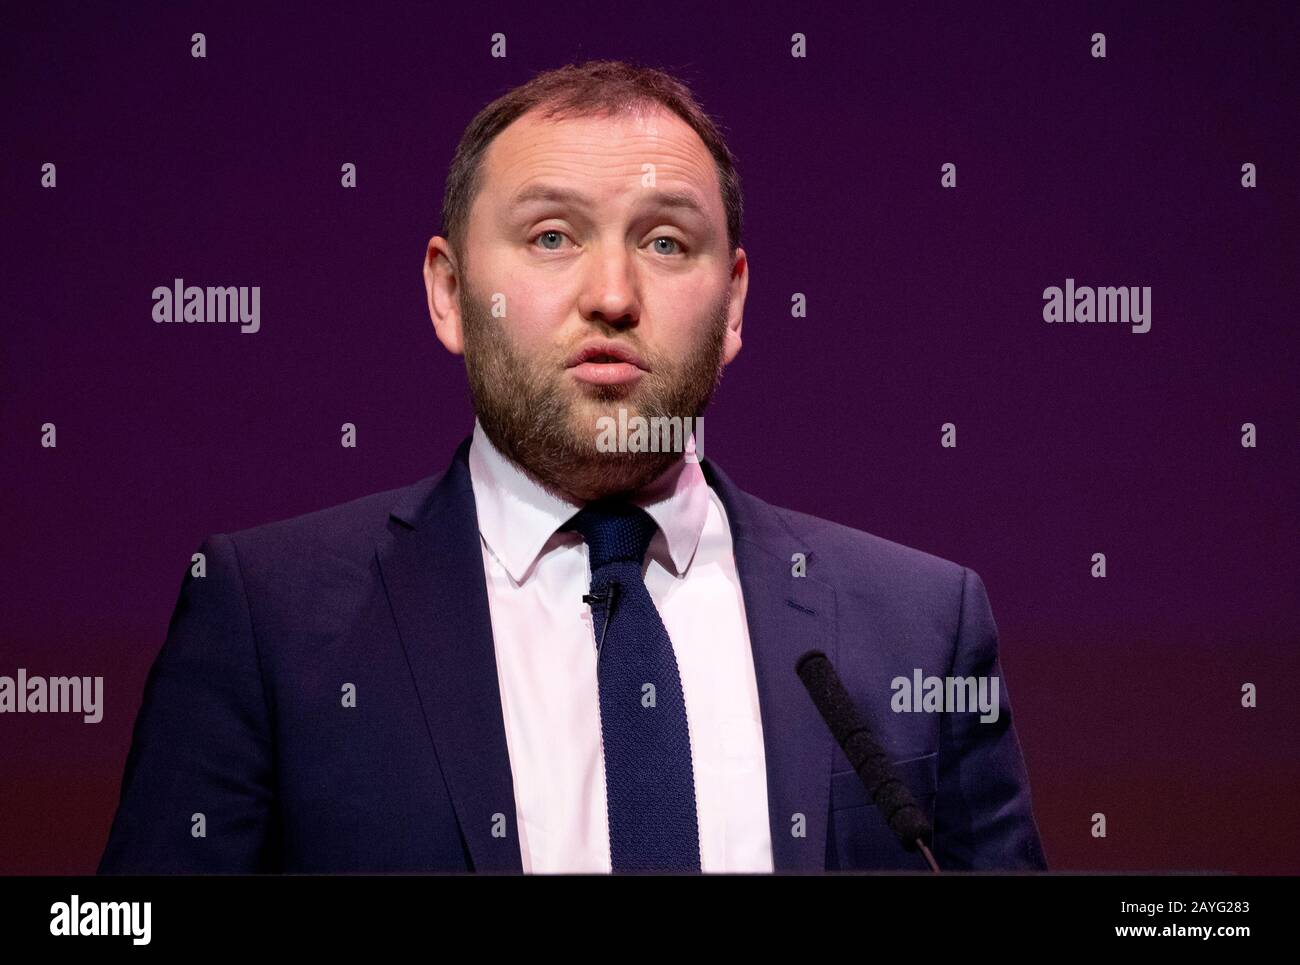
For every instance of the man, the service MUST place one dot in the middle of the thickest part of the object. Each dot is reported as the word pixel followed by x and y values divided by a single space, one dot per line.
pixel 560 655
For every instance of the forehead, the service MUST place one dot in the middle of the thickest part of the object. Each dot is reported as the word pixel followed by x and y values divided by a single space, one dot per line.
pixel 604 157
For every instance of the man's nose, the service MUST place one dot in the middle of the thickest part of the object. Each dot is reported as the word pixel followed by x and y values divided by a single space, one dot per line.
pixel 609 286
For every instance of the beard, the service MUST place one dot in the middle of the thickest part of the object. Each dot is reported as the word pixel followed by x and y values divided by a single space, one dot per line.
pixel 544 420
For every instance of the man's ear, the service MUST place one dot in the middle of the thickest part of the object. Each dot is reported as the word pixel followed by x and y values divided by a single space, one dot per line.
pixel 736 310
pixel 442 286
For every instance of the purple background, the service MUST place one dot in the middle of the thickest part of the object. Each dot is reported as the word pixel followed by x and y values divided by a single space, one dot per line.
pixel 924 307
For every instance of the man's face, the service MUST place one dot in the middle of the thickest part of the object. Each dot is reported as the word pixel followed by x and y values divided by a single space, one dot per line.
pixel 575 237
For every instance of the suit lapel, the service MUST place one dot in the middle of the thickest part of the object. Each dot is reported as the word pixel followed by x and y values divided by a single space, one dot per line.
pixel 787 616
pixel 432 568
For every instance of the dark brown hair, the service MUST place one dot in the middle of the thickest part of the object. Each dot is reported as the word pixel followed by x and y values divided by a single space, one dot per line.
pixel 597 87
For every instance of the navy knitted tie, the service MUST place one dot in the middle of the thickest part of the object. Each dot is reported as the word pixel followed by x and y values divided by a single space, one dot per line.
pixel 649 781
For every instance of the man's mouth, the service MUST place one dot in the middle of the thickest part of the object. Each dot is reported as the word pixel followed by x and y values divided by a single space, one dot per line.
pixel 606 362
pixel 606 372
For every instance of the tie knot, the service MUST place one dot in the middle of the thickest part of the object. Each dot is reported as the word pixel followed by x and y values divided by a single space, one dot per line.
pixel 615 531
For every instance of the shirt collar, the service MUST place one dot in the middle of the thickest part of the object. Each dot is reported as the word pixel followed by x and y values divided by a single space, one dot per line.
pixel 517 517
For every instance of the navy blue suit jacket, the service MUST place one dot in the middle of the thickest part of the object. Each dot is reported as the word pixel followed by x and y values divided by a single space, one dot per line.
pixel 243 719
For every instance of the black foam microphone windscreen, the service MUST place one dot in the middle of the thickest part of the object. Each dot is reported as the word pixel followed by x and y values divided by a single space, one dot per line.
pixel 865 755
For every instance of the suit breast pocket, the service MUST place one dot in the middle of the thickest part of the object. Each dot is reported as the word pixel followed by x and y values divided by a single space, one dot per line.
pixel 857 837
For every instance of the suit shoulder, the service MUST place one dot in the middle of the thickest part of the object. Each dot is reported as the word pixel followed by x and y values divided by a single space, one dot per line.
pixel 346 530
pixel 840 554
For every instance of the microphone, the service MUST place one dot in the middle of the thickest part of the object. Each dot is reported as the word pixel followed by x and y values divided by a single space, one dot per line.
pixel 895 801
pixel 607 598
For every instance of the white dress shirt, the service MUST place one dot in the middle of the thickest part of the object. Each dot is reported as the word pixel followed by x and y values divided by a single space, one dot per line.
pixel 546 665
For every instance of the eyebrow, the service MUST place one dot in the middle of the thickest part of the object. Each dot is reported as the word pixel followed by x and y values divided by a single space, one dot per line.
pixel 684 200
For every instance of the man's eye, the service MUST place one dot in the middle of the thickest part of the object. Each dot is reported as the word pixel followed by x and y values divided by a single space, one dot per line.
pixel 549 236
pixel 672 241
